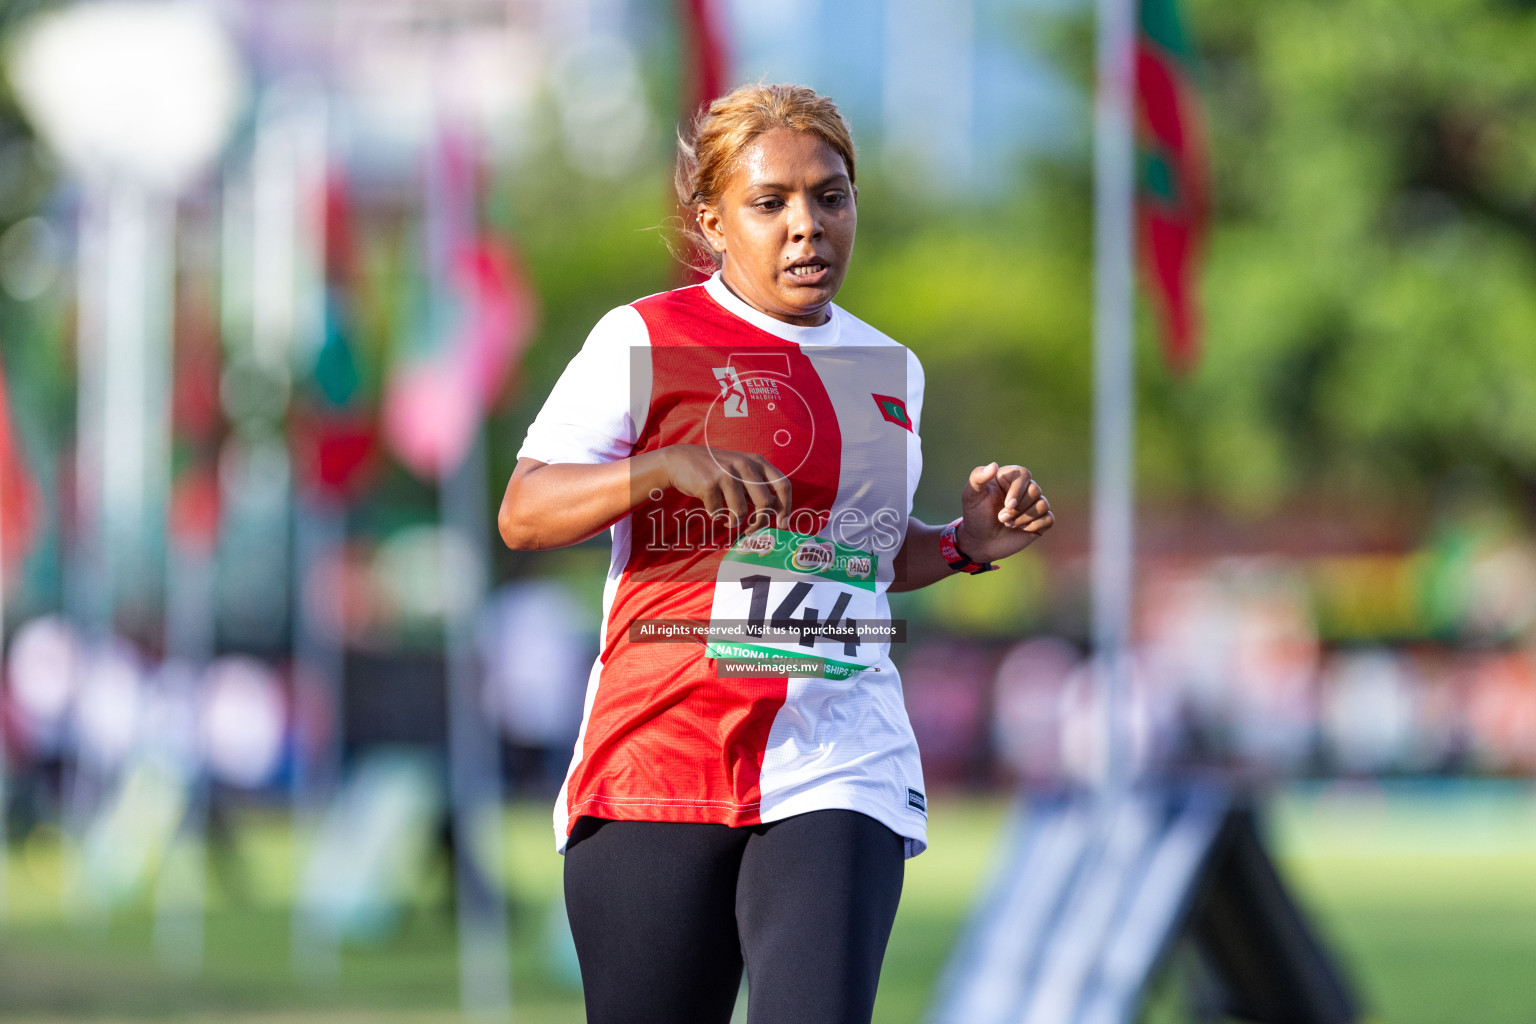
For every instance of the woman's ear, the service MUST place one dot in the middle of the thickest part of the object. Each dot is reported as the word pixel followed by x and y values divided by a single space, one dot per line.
pixel 708 220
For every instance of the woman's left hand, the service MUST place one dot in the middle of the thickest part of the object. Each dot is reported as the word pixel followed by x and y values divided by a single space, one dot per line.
pixel 1003 512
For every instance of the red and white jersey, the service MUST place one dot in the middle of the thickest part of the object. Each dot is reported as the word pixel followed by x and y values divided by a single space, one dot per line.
pixel 670 731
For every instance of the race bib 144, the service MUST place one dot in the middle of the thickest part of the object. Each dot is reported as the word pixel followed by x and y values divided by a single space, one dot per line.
pixel 795 605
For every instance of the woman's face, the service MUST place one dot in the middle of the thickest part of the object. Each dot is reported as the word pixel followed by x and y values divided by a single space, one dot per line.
pixel 784 226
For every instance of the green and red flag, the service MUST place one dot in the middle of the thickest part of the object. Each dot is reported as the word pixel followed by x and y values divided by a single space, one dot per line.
pixel 335 418
pixel 18 490
pixel 197 422
pixel 894 410
pixel 1172 201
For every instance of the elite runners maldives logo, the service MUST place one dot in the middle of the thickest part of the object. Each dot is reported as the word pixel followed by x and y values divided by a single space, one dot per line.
pixel 732 394
pixel 893 409
pixel 811 556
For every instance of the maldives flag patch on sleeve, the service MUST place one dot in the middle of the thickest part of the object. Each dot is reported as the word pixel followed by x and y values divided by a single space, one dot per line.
pixel 894 410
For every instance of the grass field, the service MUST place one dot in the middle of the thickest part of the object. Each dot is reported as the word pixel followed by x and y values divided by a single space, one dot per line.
pixel 1428 894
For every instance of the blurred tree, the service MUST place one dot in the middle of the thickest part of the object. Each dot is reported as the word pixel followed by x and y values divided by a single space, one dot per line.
pixel 996 304
pixel 35 347
pixel 1371 289
pixel 30 257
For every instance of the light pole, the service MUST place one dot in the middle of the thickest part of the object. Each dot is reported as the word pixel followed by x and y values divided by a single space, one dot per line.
pixel 137 98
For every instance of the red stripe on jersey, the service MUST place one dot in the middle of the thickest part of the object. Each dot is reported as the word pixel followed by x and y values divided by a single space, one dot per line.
pixel 665 740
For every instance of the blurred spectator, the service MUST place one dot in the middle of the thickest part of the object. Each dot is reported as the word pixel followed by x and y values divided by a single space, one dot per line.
pixel 1029 706
pixel 1369 710
pixel 945 685
pixel 1238 639
pixel 1501 712
pixel 1440 736
pixel 537 653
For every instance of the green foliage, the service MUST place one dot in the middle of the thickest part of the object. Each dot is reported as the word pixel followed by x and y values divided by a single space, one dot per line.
pixel 997 309
pixel 1369 293
pixel 1369 284
pixel 1369 287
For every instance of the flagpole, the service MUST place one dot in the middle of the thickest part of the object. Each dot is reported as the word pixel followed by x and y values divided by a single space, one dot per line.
pixel 474 756
pixel 474 782
pixel 319 521
pixel 1114 411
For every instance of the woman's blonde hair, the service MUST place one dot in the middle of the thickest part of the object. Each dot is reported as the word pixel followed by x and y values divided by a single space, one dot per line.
pixel 707 152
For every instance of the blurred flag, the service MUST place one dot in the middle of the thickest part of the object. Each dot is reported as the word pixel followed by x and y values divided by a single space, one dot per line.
pixel 704 47
pixel 196 430
pixel 704 68
pixel 18 490
pixel 1173 174
pixel 479 317
pixel 336 434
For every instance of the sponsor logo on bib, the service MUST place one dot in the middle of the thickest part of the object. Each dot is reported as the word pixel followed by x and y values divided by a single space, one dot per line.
pixel 858 565
pixel 761 543
pixel 813 556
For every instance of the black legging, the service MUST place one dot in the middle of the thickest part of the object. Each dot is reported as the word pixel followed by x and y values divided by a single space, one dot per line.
pixel 664 913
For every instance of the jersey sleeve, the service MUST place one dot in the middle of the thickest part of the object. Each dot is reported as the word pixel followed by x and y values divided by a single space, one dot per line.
pixel 598 406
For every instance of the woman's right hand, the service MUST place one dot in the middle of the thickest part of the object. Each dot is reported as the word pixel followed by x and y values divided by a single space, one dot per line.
pixel 746 487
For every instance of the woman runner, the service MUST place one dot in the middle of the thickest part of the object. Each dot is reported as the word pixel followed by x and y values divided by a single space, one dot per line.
pixel 746 785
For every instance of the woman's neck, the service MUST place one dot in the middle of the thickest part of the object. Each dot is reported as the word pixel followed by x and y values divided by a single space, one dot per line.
pixel 817 318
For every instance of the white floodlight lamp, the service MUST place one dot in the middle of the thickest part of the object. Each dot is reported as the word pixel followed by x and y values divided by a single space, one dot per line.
pixel 130 88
